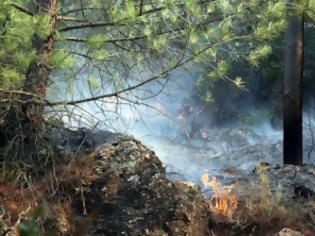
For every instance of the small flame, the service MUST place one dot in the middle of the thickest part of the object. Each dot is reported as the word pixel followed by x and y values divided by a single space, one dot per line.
pixel 223 201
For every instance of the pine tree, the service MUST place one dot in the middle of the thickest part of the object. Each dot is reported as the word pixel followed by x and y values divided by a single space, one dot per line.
pixel 109 48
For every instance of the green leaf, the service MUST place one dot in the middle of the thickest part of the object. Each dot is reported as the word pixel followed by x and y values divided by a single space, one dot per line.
pixel 211 7
pixel 31 226
pixel 131 10
pixel 213 75
pixel 225 25
pixel 147 30
pixel 56 58
pixel 96 41
pixel 212 54
pixel 100 55
pixel 276 10
pixel 223 67
pixel 191 5
pixel 209 97
pixel 93 83
pixel 193 38
pixel 41 25
pixel 259 53
pixel 239 83
pixel 60 59
pixel 10 78
pixel 165 13
pixel 224 6
pixel 23 59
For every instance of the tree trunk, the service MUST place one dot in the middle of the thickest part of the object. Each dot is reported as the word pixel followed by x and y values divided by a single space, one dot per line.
pixel 292 98
pixel 21 136
pixel 36 82
pixel 38 72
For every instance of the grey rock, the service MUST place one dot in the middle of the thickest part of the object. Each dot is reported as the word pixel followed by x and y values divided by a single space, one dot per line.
pixel 130 195
pixel 292 181
pixel 84 139
pixel 289 232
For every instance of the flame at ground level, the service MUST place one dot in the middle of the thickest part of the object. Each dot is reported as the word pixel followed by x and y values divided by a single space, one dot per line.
pixel 223 201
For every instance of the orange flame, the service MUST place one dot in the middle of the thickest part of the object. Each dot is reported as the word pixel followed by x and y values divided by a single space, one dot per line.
pixel 223 201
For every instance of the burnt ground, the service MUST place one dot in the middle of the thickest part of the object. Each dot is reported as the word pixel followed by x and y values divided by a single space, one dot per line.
pixel 121 188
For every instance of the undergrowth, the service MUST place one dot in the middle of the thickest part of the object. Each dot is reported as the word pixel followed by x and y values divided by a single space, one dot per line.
pixel 263 210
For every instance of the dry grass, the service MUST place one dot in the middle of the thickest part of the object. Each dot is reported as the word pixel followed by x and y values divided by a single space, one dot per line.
pixel 51 191
pixel 261 212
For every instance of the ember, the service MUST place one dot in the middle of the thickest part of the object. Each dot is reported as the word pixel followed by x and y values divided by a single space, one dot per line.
pixel 223 201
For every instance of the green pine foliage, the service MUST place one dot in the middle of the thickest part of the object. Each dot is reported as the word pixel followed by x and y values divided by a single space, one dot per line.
pixel 17 31
pixel 119 43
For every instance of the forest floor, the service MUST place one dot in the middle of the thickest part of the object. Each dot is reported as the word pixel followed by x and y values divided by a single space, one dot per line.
pixel 121 188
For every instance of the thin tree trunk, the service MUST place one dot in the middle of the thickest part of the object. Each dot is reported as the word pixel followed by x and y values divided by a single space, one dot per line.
pixel 38 72
pixel 20 137
pixel 292 99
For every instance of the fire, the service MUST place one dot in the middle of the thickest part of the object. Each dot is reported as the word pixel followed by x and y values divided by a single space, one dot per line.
pixel 223 201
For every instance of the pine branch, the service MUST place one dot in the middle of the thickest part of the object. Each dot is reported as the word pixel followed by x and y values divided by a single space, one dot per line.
pixel 84 9
pixel 104 24
pixel 70 18
pixel 22 9
pixel 163 74
pixel 90 25
pixel 84 40
pixel 21 92
pixel 76 39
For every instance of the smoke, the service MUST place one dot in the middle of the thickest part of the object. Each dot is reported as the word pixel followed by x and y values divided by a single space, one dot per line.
pixel 183 132
pixel 185 137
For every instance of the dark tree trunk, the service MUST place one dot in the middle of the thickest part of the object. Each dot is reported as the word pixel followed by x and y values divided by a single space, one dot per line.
pixel 35 83
pixel 38 72
pixel 20 137
pixel 292 98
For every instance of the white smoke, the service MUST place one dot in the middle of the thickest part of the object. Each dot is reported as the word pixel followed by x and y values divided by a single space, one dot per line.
pixel 167 123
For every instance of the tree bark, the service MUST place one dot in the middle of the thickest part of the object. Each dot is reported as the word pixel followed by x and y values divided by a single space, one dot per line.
pixel 292 97
pixel 25 121
pixel 38 72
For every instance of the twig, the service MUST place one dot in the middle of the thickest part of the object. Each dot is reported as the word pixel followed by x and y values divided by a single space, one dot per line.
pixel 82 196
pixel 22 9
pixel 116 93
pixel 312 136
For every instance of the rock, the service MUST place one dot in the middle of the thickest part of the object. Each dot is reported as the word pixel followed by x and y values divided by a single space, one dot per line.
pixel 121 188
pixel 126 192
pixel 289 232
pixel 292 181
pixel 83 139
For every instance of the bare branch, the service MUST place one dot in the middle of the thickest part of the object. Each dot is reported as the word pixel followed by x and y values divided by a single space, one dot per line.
pixel 116 93
pixel 84 40
pixel 76 39
pixel 80 9
pixel 70 18
pixel 141 8
pixel 90 25
pixel 22 9
pixel 20 92
pixel 116 40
